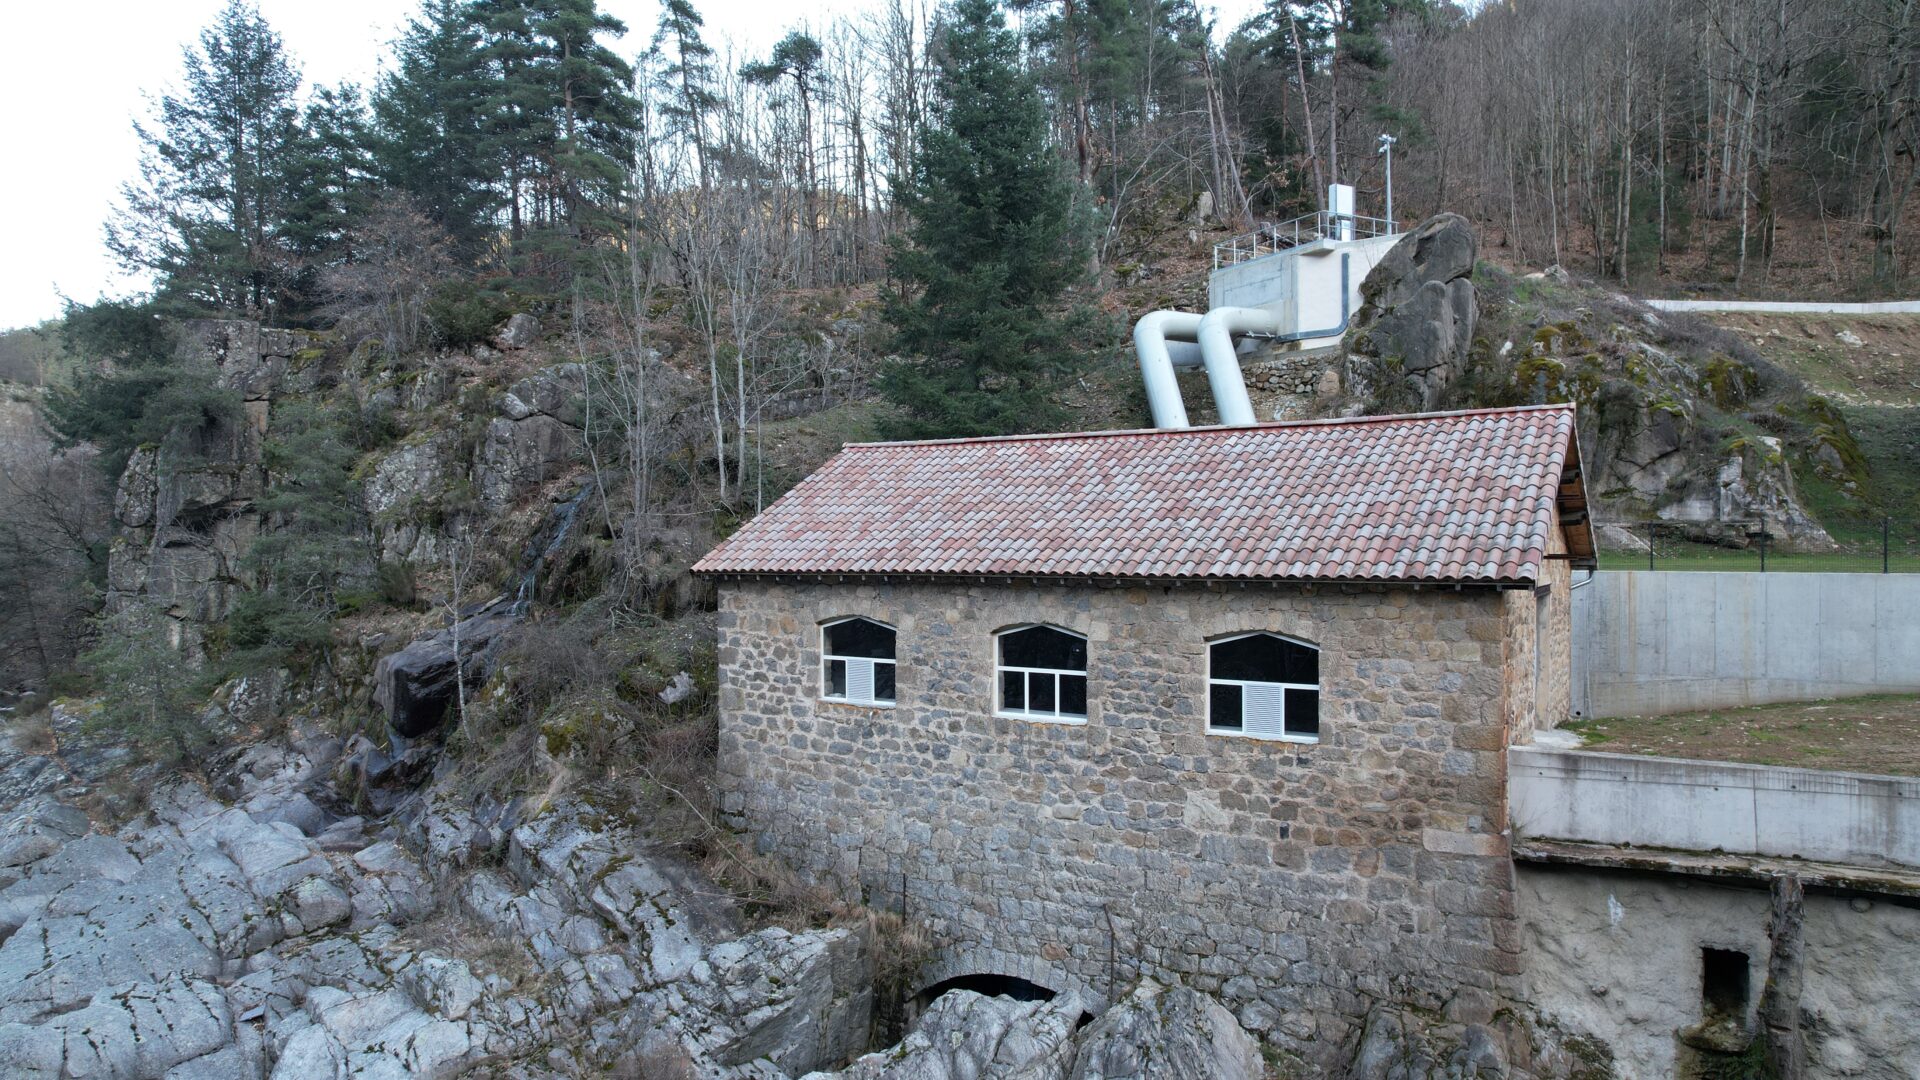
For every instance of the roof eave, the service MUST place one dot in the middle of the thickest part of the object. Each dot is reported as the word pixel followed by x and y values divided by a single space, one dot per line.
pixel 1100 580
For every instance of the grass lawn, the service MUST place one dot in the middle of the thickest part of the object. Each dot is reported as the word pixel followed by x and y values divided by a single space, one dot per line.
pixel 1878 734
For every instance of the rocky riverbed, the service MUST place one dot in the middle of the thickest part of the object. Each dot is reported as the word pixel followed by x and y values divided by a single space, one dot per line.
pixel 248 925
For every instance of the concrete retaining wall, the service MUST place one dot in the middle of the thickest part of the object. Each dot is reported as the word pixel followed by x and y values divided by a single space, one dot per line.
pixel 1714 806
pixel 1789 307
pixel 1618 956
pixel 1649 642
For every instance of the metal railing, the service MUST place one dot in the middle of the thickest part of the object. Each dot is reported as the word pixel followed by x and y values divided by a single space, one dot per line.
pixel 1889 545
pixel 1275 237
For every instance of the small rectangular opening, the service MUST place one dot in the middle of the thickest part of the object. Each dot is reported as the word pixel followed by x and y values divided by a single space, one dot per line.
pixel 1723 982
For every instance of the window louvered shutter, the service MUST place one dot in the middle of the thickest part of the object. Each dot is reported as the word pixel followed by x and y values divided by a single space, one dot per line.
pixel 1262 708
pixel 859 680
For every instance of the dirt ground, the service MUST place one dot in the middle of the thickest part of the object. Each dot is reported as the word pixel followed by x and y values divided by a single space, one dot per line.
pixel 1882 369
pixel 1879 734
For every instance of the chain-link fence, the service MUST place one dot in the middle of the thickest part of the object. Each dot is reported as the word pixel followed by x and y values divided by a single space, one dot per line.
pixel 1888 545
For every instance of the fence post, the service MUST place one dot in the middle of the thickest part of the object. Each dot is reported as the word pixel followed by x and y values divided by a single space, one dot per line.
pixel 1763 547
pixel 1886 531
pixel 1649 545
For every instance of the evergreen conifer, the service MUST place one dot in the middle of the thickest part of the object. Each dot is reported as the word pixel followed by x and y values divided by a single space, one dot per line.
pixel 997 244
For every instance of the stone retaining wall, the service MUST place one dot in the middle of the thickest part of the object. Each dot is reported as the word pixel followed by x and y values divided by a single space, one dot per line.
pixel 1300 882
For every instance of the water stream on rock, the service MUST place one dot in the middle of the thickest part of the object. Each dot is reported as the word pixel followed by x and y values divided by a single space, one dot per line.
pixel 545 544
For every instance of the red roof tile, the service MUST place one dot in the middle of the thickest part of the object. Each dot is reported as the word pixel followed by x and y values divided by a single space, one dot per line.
pixel 1467 496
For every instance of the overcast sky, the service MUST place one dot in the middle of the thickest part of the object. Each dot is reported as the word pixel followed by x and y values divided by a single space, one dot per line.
pixel 73 78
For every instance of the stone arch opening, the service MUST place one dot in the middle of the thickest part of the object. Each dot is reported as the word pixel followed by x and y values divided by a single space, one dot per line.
pixel 990 984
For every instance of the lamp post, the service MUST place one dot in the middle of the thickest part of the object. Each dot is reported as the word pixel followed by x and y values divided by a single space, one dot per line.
pixel 1386 147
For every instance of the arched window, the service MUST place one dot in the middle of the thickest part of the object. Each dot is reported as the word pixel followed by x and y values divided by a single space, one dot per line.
pixel 1042 674
pixel 857 662
pixel 1265 686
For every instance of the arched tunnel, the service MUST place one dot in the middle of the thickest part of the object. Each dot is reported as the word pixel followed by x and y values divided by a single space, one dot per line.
pixel 987 983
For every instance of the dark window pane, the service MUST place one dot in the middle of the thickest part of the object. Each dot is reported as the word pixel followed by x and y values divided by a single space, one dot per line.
pixel 1040 692
pixel 1043 646
pixel 883 682
pixel 1303 712
pixel 1073 695
pixel 1013 690
pixel 1224 707
pixel 1265 658
pixel 836 678
pixel 860 637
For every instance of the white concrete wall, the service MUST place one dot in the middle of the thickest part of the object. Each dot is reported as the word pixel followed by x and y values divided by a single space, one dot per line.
pixel 1789 307
pixel 1714 806
pixel 1302 286
pixel 1650 642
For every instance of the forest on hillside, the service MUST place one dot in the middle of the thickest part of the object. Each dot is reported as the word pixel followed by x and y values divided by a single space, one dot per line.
pixel 1765 144
pixel 965 192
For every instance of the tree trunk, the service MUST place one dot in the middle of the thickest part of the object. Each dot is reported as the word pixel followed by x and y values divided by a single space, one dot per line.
pixel 1779 1012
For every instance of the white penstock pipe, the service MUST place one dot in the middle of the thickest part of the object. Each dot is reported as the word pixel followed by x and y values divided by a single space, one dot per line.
pixel 1217 329
pixel 1150 336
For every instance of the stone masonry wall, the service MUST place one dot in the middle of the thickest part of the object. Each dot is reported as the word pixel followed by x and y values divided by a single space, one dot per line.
pixel 1539 648
pixel 1299 882
pixel 1555 703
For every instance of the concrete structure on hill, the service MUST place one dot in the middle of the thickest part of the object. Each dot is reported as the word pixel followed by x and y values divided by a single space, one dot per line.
pixel 1226 706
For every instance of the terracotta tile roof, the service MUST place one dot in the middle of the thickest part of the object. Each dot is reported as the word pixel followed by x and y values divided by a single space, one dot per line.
pixel 1453 497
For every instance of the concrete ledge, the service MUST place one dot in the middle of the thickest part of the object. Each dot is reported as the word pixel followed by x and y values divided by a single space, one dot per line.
pixel 1790 307
pixel 1721 867
pixel 1709 806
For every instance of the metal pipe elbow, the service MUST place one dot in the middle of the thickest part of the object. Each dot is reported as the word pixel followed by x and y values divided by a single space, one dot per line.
pixel 1216 332
pixel 1150 336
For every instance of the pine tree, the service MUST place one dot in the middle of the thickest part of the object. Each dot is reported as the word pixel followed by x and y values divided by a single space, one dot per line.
pixel 996 245
pixel 797 58
pixel 132 390
pixel 685 77
pixel 329 186
pixel 207 212
pixel 317 542
pixel 148 697
pixel 563 116
pixel 429 117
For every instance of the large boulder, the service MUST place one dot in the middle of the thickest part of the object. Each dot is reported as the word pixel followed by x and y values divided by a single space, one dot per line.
pixel 520 331
pixel 536 437
pixel 1412 335
pixel 1440 250
pixel 1159 1033
pixel 967 1036
pixel 414 686
pixel 800 1001
pixel 1402 1046
pixel 403 491
pixel 37 828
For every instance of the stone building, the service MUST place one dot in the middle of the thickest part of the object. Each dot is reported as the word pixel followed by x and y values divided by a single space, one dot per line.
pixel 1228 706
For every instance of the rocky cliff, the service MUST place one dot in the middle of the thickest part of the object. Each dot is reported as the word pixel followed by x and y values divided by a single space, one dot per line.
pixel 252 925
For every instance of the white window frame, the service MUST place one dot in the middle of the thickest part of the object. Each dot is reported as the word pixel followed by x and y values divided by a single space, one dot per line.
pixel 1283 735
pixel 870 661
pixel 1055 716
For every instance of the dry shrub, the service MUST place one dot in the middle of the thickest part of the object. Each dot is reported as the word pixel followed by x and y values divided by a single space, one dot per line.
pixel 501 760
pixel 452 931
pixel 900 948
pixel 33 734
